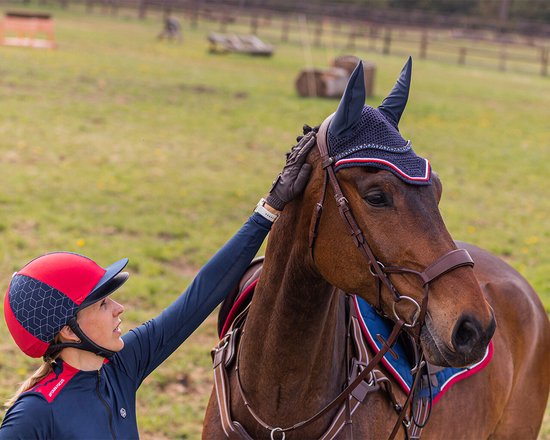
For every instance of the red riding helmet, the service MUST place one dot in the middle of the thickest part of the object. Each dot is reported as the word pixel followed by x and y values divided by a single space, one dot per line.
pixel 47 293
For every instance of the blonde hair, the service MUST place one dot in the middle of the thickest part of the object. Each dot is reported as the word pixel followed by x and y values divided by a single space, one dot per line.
pixel 45 369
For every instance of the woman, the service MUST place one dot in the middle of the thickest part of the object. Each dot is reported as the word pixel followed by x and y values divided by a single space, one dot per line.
pixel 58 307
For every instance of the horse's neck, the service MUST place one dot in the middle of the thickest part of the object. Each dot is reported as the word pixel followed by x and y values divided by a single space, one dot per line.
pixel 293 351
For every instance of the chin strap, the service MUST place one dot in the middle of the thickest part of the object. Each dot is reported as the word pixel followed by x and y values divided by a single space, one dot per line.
pixel 85 344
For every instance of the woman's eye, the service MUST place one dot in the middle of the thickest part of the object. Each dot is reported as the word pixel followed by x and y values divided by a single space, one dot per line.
pixel 377 198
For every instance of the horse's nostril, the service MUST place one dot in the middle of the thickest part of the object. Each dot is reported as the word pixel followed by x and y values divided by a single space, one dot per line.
pixel 466 334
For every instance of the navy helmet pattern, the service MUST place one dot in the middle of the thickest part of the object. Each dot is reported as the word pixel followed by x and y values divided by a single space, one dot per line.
pixel 41 309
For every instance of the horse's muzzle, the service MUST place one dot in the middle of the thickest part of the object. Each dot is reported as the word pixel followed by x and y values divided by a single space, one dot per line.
pixel 470 338
pixel 468 344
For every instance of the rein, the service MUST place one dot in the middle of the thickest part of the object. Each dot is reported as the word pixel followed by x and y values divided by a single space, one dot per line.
pixel 223 354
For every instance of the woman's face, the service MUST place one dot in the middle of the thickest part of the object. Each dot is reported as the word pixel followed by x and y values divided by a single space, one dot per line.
pixel 101 323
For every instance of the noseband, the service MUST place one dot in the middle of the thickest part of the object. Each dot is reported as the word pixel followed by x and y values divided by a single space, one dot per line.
pixel 452 260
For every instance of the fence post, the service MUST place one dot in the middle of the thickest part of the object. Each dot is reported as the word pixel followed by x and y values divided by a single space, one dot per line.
pixel 373 35
pixel 166 8
pixel 351 39
pixel 142 9
pixel 285 28
pixel 194 14
pixel 462 56
pixel 223 22
pixel 89 6
pixel 254 25
pixel 318 33
pixel 503 56
pixel 423 44
pixel 544 61
pixel 387 41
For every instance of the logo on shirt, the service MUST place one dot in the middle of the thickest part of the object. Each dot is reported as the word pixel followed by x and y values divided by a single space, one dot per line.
pixel 56 387
pixel 123 413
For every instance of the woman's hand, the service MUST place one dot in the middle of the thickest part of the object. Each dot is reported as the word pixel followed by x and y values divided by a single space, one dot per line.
pixel 292 180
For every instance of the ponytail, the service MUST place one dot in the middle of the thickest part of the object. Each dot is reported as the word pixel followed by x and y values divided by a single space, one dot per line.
pixel 45 369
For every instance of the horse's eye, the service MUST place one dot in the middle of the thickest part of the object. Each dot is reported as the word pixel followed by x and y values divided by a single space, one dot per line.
pixel 377 198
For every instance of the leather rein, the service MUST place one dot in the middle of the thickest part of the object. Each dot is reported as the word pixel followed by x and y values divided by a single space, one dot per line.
pixel 448 262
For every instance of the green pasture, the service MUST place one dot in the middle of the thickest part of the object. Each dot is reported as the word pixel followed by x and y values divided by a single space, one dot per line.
pixel 116 144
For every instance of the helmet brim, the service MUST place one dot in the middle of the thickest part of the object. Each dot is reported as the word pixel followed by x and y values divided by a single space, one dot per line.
pixel 109 282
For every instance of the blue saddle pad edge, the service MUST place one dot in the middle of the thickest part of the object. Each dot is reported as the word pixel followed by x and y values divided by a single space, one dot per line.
pixel 373 324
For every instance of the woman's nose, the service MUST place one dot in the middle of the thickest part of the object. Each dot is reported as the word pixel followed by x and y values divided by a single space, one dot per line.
pixel 118 309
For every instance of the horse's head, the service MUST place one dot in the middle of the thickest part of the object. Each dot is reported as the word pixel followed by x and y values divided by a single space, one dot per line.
pixel 393 197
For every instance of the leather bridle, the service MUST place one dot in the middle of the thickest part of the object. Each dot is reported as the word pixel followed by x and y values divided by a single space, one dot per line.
pixel 452 260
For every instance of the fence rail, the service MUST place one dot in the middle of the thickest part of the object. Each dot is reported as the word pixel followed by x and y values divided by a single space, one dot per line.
pixel 509 53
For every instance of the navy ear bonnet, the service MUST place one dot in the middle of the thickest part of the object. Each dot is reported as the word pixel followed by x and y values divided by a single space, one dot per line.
pixel 359 135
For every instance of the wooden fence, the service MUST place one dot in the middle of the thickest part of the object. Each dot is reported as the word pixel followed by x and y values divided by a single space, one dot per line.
pixel 506 52
pixel 473 48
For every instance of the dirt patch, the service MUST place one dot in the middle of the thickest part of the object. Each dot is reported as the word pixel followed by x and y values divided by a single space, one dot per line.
pixel 198 88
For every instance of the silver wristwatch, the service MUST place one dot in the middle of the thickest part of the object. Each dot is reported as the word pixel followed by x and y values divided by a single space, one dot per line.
pixel 260 209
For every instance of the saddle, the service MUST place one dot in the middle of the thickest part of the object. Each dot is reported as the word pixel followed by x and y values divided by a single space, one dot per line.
pixel 239 298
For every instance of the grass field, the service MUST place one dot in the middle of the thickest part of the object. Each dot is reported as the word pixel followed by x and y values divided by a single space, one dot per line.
pixel 118 145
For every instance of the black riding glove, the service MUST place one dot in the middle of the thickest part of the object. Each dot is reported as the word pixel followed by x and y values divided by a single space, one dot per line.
pixel 292 180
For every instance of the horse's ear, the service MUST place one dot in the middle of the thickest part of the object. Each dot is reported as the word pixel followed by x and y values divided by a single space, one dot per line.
pixel 394 105
pixel 351 105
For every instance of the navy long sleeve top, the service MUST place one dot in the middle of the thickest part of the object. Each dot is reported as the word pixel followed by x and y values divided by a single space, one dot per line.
pixel 74 404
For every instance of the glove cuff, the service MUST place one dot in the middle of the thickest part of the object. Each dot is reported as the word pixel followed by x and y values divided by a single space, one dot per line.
pixel 275 202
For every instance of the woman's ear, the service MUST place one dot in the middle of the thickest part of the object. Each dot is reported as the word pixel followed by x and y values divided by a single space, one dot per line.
pixel 67 335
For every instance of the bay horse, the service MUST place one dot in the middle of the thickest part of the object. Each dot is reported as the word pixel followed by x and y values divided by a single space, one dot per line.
pixel 368 223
